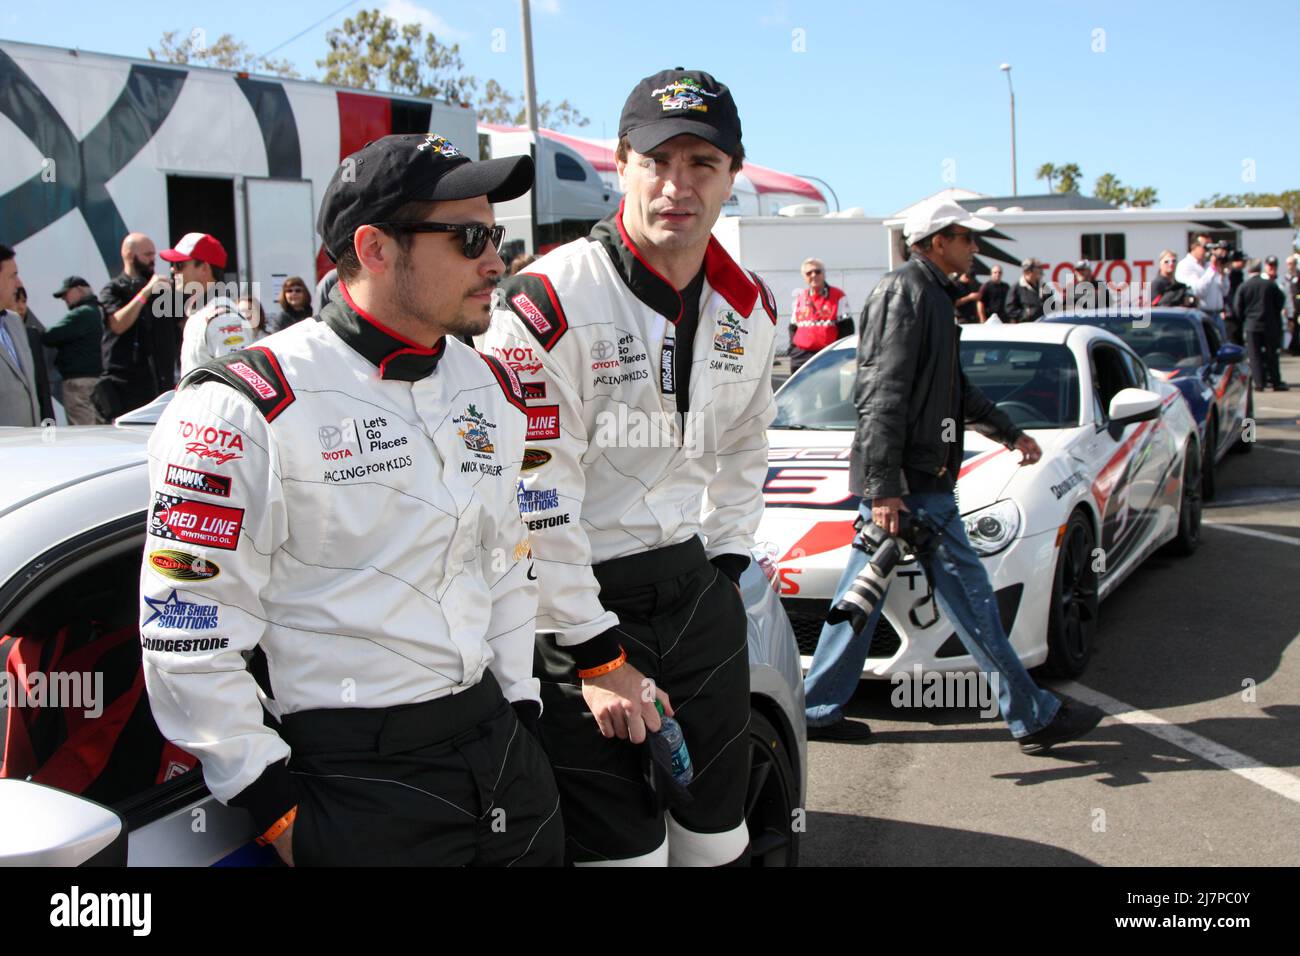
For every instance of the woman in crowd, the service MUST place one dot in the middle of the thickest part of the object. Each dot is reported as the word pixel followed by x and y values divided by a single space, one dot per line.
pixel 295 303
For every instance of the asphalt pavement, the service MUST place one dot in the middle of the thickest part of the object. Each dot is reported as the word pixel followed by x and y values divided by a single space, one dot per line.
pixel 1197 664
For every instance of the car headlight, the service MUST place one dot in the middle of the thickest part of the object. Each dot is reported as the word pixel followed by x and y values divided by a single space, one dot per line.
pixel 992 529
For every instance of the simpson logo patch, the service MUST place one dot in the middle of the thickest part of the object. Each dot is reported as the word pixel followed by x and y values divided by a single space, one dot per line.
pixel 531 314
pixel 543 423
pixel 263 388
pixel 195 522
pixel 204 481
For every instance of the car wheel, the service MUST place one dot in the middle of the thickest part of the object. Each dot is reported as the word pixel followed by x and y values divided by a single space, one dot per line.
pixel 1207 458
pixel 1189 510
pixel 1241 446
pixel 1072 620
pixel 771 797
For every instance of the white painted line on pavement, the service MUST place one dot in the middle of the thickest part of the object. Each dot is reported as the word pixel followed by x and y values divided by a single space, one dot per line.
pixel 1270 778
pixel 1285 451
pixel 1266 535
pixel 1284 411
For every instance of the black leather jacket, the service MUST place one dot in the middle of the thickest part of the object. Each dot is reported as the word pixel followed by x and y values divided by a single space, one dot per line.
pixel 910 380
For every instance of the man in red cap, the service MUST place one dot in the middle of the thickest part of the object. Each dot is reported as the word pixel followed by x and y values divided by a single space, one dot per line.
pixel 211 326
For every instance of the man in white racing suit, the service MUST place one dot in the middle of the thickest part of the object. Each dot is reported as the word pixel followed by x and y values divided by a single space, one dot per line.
pixel 338 507
pixel 645 355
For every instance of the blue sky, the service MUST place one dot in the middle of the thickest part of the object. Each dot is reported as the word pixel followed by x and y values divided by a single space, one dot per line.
pixel 886 101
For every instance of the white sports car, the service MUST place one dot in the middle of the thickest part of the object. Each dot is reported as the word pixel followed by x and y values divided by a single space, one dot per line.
pixel 1119 477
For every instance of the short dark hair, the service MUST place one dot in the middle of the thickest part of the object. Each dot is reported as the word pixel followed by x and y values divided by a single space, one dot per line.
pixel 349 266
pixel 6 253
pixel 737 158
pixel 925 244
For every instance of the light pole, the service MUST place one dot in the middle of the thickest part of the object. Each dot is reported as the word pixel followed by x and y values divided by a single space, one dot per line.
pixel 530 87
pixel 1006 68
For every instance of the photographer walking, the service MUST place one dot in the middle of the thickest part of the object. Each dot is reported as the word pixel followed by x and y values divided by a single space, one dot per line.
pixel 910 390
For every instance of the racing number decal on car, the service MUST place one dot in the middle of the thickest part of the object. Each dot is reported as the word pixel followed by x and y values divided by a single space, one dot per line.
pixel 808 478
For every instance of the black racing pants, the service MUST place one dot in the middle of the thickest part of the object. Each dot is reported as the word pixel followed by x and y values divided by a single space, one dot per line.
pixel 682 623
pixel 1263 347
pixel 456 781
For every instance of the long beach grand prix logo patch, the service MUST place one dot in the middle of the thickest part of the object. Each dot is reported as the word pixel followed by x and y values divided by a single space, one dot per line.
pixel 475 430
pixel 683 94
pixel 728 337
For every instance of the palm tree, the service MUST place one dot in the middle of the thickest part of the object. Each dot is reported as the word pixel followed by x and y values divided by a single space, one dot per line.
pixel 1047 171
pixel 1070 174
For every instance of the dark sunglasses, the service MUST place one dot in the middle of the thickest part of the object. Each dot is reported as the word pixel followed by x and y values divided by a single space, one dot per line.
pixel 474 236
pixel 813 272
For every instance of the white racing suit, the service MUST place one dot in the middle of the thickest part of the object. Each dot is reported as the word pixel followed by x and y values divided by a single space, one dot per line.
pixel 613 470
pixel 345 501
pixel 213 331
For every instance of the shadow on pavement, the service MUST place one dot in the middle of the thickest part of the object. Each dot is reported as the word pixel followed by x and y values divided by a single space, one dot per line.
pixel 839 839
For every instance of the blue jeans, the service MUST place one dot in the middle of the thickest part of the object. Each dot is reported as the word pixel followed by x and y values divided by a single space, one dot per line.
pixel 965 595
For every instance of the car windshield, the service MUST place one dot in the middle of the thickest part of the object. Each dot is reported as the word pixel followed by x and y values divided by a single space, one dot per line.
pixel 1036 384
pixel 821 395
pixel 1162 342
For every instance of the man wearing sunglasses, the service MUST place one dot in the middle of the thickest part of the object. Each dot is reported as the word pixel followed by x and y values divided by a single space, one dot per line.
pixel 338 502
pixel 905 457
pixel 647 359
pixel 822 315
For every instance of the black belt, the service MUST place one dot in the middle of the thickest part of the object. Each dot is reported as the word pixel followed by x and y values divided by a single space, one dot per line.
pixel 390 730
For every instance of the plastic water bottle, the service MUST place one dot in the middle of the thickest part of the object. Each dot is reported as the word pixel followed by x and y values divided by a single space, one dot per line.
pixel 668 746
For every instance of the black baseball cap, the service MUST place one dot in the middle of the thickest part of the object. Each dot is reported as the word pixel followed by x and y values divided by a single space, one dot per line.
pixel 1270 260
pixel 385 174
pixel 679 101
pixel 70 283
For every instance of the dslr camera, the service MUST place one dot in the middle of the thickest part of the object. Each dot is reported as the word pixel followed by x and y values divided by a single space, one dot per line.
pixel 917 536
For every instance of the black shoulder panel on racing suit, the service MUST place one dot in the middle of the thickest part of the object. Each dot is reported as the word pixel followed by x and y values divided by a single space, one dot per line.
pixel 508 381
pixel 532 297
pixel 255 372
pixel 765 296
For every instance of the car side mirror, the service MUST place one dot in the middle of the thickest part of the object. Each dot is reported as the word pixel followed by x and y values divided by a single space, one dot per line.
pixel 44 826
pixel 1134 405
pixel 1230 355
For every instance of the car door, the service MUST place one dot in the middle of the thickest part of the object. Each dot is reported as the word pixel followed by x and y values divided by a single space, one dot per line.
pixel 69 621
pixel 1123 455
pixel 1228 382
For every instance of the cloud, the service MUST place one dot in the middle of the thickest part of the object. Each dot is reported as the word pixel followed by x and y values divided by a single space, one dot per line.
pixel 547 6
pixel 406 11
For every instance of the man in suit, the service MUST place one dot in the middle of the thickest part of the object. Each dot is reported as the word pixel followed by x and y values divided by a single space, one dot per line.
pixel 19 403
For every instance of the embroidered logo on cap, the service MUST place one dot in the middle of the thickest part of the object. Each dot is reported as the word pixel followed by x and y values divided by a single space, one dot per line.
pixel 440 145
pixel 683 94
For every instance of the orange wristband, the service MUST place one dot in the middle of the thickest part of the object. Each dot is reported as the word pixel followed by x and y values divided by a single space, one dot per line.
pixel 277 828
pixel 604 669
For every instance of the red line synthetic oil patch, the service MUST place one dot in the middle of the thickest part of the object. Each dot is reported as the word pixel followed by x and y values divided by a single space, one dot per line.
pixel 202 481
pixel 195 522
pixel 182 566
pixel 543 423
